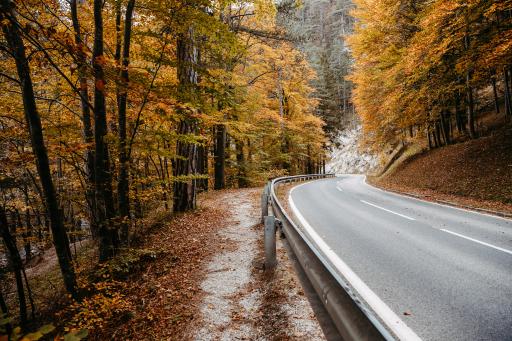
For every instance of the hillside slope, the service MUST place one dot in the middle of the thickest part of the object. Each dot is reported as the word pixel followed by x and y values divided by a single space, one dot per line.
pixel 476 173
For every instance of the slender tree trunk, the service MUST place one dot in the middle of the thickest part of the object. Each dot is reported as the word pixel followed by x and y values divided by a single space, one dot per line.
pixel 123 185
pixel 508 100
pixel 60 239
pixel 310 163
pixel 495 93
pixel 4 311
pixel 202 167
pixel 240 160
pixel 15 263
pixel 103 177
pixel 220 157
pixel 430 144
pixel 185 164
pixel 445 124
pixel 470 105
pixel 437 134
pixel 86 119
pixel 459 117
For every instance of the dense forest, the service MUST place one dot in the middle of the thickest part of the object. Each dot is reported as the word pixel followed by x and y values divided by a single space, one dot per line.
pixel 320 30
pixel 113 109
pixel 431 69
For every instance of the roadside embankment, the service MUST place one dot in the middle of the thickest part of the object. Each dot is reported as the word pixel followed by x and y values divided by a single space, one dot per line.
pixel 473 174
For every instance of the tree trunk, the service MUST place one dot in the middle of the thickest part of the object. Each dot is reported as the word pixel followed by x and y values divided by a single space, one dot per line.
pixel 60 239
pixel 15 263
pixel 495 93
pixel 430 144
pixel 103 177
pixel 445 124
pixel 4 311
pixel 310 163
pixel 202 167
pixel 185 164
pixel 86 119
pixel 220 157
pixel 459 118
pixel 240 160
pixel 470 105
pixel 508 100
pixel 123 185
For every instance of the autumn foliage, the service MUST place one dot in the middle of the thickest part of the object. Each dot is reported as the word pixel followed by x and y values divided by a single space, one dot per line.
pixel 111 110
pixel 430 68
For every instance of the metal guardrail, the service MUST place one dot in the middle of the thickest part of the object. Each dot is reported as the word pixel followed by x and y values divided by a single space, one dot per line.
pixel 348 314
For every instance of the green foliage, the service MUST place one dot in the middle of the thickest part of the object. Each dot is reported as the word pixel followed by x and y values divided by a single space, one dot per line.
pixel 129 261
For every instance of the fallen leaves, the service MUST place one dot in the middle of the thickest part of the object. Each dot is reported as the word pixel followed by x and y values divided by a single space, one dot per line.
pixel 475 173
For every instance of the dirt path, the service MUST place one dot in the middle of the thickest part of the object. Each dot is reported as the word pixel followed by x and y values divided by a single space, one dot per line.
pixel 240 301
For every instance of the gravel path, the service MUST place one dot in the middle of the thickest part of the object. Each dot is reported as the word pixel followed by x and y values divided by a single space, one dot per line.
pixel 241 302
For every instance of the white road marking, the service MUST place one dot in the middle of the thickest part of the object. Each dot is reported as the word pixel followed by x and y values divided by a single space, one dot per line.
pixel 339 189
pixel 385 209
pixel 477 241
pixel 437 203
pixel 392 321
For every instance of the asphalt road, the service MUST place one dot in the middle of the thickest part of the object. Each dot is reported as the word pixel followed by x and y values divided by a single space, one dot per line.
pixel 446 272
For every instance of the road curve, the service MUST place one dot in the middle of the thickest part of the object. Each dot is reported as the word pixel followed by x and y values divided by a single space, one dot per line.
pixel 446 272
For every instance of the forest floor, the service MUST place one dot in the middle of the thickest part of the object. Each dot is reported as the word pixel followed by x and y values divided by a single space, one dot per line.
pixel 202 281
pixel 217 289
pixel 474 174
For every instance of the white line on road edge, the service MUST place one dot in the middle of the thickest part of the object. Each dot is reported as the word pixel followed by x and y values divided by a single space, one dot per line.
pixel 477 241
pixel 385 209
pixel 436 203
pixel 392 321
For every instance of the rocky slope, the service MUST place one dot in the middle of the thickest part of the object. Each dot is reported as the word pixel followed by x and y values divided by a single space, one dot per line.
pixel 347 157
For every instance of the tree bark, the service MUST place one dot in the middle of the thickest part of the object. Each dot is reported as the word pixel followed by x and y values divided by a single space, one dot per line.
pixel 185 164
pixel 86 119
pixel 508 100
pixel 495 93
pixel 202 167
pixel 60 239
pixel 459 117
pixel 220 157
pixel 445 124
pixel 123 186
pixel 15 263
pixel 470 105
pixel 103 177
pixel 242 167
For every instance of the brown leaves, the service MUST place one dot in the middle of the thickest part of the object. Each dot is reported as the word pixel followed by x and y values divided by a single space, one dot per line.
pixel 164 294
pixel 475 173
pixel 100 84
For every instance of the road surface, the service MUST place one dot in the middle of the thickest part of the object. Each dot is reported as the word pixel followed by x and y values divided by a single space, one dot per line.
pixel 445 272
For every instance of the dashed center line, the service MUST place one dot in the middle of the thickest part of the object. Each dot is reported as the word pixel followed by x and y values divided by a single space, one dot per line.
pixel 385 209
pixel 477 241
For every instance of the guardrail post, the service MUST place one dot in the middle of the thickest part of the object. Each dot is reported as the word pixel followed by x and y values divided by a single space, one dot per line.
pixel 270 242
pixel 264 203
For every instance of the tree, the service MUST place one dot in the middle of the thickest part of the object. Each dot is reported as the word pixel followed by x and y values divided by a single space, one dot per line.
pixel 12 34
